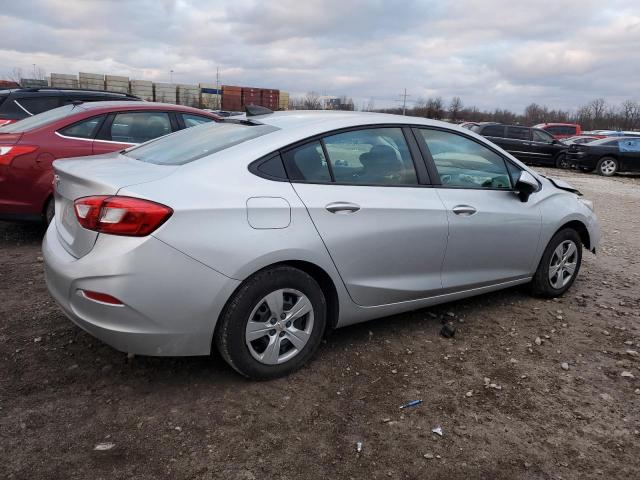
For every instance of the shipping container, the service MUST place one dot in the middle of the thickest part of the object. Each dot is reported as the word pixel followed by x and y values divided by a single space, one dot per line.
pixel 91 81
pixel 33 83
pixel 165 92
pixel 63 80
pixel 210 96
pixel 116 83
pixel 189 95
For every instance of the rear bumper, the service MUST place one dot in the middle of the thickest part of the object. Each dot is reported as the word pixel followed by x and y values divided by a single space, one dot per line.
pixel 171 302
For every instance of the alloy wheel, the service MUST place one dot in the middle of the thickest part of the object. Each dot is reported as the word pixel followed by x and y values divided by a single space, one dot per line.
pixel 608 167
pixel 563 264
pixel 279 326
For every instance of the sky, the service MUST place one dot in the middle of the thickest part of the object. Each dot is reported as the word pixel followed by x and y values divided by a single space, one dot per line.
pixel 490 53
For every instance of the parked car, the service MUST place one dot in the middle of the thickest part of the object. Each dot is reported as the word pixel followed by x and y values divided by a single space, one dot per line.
pixel 28 147
pixel 274 228
pixel 579 139
pixel 607 156
pixel 468 124
pixel 16 104
pixel 560 130
pixel 530 145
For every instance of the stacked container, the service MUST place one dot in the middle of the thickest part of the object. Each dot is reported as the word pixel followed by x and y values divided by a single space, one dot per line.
pixel 142 89
pixel 165 92
pixel 189 95
pixel 283 101
pixel 210 96
pixel 33 83
pixel 91 81
pixel 231 98
pixel 251 96
pixel 115 83
pixel 270 98
pixel 63 80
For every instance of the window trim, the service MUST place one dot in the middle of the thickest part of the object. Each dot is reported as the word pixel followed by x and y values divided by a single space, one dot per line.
pixel 432 165
pixel 422 178
pixel 104 116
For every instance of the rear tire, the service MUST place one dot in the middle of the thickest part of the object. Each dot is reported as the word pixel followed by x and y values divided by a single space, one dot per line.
pixel 559 265
pixel 607 166
pixel 261 335
pixel 49 211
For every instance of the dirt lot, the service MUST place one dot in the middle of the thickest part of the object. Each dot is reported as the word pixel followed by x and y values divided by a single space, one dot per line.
pixel 62 392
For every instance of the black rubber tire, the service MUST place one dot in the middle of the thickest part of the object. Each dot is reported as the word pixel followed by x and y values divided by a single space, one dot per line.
pixel 49 211
pixel 230 332
pixel 601 161
pixel 540 284
pixel 561 161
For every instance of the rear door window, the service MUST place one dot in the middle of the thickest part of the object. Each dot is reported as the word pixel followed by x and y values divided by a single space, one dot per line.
pixel 375 156
pixel 518 133
pixel 36 105
pixel 139 127
pixel 493 131
pixel 85 129
pixel 307 163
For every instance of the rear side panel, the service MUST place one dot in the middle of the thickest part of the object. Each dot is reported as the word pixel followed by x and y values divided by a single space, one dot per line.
pixel 103 175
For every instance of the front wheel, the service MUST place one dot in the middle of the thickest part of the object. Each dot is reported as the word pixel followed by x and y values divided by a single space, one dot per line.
pixel 561 161
pixel 559 265
pixel 607 166
pixel 273 324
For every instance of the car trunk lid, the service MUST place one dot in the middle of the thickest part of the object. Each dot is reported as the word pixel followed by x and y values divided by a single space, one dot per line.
pixel 99 175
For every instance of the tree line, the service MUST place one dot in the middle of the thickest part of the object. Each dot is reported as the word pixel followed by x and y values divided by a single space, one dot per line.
pixel 595 115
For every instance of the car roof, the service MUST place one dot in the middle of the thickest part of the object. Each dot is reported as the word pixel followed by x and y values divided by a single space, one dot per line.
pixel 539 125
pixel 300 119
pixel 129 105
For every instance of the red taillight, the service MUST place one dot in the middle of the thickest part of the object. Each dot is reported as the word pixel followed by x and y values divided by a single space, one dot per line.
pixel 9 152
pixel 120 215
pixel 100 297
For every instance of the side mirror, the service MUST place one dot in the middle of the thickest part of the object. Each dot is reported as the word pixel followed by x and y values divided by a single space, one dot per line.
pixel 526 185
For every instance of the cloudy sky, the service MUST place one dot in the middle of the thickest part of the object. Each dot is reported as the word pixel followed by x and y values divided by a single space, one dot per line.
pixel 491 53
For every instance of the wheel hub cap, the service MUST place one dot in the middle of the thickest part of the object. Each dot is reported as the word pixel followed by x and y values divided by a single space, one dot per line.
pixel 563 264
pixel 279 326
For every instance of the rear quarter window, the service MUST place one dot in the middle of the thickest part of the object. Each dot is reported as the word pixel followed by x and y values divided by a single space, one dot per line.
pixel 493 131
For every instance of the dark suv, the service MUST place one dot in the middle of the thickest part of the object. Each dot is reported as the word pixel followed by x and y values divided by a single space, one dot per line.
pixel 16 104
pixel 529 145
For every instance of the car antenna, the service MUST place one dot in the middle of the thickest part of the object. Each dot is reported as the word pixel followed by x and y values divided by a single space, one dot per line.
pixel 255 110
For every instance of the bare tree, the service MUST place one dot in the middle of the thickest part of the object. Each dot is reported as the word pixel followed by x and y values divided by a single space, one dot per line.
pixel 311 101
pixel 15 75
pixel 455 107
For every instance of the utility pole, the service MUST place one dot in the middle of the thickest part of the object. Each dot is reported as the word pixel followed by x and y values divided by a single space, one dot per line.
pixel 404 102
pixel 170 76
pixel 218 88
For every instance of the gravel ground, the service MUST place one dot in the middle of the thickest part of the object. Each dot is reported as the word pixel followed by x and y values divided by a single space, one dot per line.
pixel 527 388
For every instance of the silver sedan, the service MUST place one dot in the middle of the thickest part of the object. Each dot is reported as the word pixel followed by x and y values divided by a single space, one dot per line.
pixel 256 235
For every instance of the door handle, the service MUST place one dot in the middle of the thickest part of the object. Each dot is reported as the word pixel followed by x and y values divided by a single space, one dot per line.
pixel 464 210
pixel 527 144
pixel 347 207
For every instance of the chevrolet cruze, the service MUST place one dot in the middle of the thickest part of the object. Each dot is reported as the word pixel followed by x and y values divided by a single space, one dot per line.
pixel 258 234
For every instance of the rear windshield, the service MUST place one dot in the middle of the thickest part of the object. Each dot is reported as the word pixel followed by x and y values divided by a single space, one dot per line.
pixel 37 121
pixel 196 142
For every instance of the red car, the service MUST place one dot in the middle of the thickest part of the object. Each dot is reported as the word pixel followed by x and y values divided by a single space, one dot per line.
pixel 28 147
pixel 561 130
